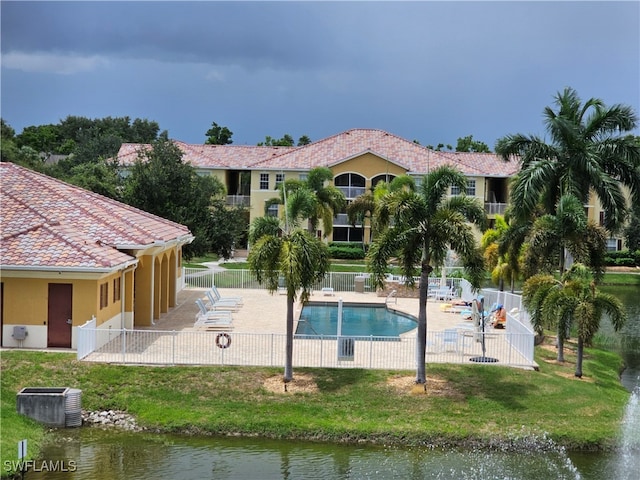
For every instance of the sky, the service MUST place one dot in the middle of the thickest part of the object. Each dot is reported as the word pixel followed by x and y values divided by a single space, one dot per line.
pixel 426 71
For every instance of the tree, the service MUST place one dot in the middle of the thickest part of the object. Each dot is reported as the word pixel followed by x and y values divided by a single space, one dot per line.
pixel 290 253
pixel 468 144
pixel 286 141
pixel 420 230
pixel 160 183
pixel 574 299
pixel 495 260
pixel 568 231
pixel 99 177
pixel 632 230
pixel 587 153
pixel 218 135
pixel 317 200
pixel 363 207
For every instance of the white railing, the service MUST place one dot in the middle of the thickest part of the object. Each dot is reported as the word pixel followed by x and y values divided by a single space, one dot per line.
pixel 495 208
pixel 156 347
pixel 86 339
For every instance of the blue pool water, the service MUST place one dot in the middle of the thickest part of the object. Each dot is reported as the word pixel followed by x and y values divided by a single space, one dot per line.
pixel 357 320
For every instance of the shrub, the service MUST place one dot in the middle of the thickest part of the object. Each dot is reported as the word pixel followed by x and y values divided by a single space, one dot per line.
pixel 623 258
pixel 343 252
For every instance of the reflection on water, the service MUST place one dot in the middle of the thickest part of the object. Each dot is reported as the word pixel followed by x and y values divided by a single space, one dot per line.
pixel 101 454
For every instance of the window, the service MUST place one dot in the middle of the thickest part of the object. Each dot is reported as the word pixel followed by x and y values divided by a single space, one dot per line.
pixel 351 184
pixel 347 234
pixel 303 176
pixel 272 210
pixel 104 295
pixel 279 180
pixel 613 244
pixel 471 189
pixel 601 218
pixel 116 290
pixel 382 178
pixel 264 181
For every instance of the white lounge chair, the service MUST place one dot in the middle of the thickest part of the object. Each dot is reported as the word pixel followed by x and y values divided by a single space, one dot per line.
pixel 211 313
pixel 216 294
pixel 215 304
pixel 219 323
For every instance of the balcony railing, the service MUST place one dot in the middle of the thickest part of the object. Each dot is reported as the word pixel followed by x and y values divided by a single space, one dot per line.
pixel 495 208
pixel 342 219
pixel 352 192
pixel 239 200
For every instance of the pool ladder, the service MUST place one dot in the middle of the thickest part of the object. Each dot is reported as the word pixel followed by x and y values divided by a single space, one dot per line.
pixel 393 294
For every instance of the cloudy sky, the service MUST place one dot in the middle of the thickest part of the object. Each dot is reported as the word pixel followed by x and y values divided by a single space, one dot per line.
pixel 426 71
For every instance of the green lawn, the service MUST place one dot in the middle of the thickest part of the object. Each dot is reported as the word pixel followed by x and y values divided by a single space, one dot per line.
pixel 462 402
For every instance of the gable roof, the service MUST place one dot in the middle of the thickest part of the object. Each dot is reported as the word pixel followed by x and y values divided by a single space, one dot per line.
pixel 414 158
pixel 49 224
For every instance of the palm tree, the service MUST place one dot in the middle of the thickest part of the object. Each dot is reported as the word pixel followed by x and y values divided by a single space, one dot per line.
pixel 321 200
pixel 588 152
pixel 574 299
pixel 364 206
pixel 423 225
pixel 552 236
pixel 291 253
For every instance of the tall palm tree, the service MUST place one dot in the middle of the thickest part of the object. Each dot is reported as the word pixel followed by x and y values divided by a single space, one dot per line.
pixel 289 252
pixel 589 151
pixel 574 299
pixel 322 200
pixel 329 199
pixel 552 236
pixel 423 225
pixel 364 206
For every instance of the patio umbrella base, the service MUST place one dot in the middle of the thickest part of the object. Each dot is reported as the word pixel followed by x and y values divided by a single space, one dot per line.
pixel 483 359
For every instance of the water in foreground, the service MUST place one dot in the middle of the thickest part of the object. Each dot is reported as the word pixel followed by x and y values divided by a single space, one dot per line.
pixel 100 454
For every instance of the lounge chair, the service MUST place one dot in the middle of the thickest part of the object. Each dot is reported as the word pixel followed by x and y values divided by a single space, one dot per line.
pixel 212 313
pixel 443 294
pixel 215 304
pixel 216 294
pixel 219 323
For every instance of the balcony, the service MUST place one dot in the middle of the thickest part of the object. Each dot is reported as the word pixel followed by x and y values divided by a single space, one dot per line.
pixel 239 200
pixel 342 219
pixel 352 192
pixel 495 208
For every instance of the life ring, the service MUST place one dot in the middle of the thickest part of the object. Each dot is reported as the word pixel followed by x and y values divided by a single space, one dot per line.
pixel 223 340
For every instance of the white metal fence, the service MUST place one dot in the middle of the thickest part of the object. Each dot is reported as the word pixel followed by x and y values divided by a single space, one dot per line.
pixel 513 346
pixel 242 278
pixel 212 348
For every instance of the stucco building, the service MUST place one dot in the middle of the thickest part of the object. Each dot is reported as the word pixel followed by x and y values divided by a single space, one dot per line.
pixel 67 255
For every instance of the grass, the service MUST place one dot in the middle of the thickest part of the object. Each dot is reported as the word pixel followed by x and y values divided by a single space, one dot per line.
pixel 463 403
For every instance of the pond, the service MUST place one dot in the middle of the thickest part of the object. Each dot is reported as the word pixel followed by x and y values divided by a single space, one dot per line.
pixel 107 455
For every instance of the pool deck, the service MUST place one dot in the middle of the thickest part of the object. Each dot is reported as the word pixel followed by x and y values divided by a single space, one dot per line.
pixel 263 312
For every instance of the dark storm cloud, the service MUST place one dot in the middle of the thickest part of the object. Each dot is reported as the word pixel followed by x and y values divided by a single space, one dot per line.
pixel 431 71
pixel 266 34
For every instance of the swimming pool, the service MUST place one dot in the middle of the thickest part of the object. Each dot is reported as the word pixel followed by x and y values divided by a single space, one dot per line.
pixel 321 318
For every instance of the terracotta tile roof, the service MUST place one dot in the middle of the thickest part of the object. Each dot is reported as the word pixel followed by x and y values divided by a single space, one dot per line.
pixel 209 156
pixel 49 223
pixel 415 159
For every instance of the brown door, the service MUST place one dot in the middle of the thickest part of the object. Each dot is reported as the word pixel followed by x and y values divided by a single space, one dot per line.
pixel 59 315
